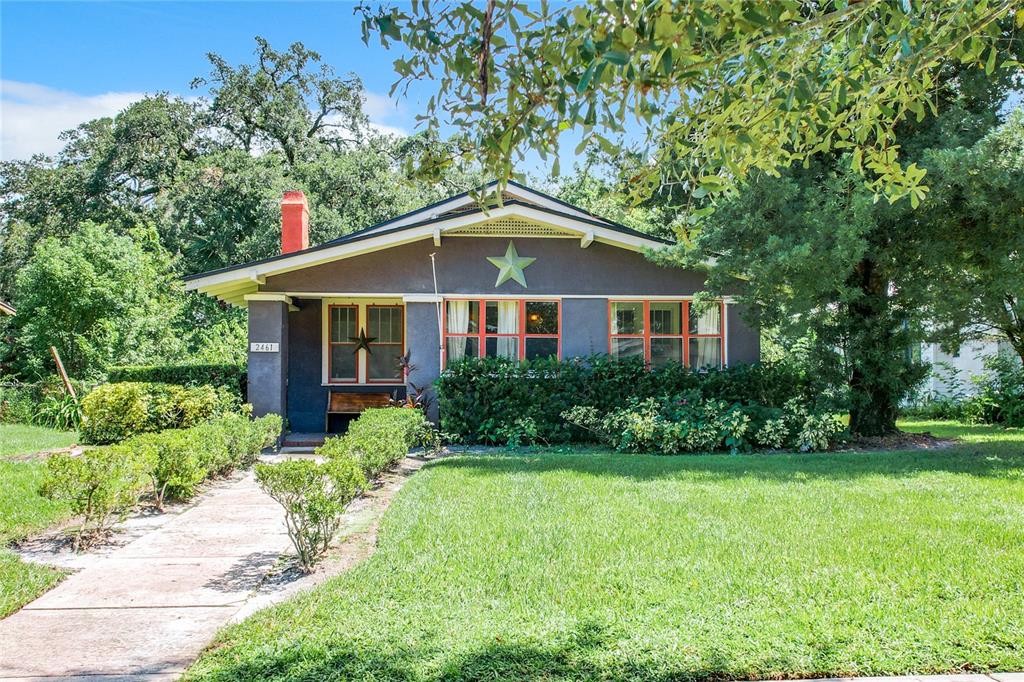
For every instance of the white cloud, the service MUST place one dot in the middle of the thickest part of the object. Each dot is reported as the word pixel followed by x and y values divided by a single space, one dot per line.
pixel 33 116
pixel 381 110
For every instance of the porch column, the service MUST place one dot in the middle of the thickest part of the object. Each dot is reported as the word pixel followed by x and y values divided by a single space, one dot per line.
pixel 423 345
pixel 268 354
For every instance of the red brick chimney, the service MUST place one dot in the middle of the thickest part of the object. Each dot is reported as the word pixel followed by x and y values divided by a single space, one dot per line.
pixel 294 222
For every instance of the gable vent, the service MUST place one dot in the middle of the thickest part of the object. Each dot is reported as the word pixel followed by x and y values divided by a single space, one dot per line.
pixel 509 227
pixel 473 206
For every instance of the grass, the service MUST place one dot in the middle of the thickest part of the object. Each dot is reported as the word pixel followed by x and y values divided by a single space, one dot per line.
pixel 24 511
pixel 603 566
pixel 18 439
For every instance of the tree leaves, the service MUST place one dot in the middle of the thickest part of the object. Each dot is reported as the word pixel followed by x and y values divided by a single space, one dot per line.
pixel 794 78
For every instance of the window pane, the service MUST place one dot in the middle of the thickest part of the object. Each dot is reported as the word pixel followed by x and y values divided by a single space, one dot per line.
pixel 664 351
pixel 460 347
pixel 384 324
pixel 628 318
pixel 705 353
pixel 541 318
pixel 666 318
pixel 541 348
pixel 502 317
pixel 343 361
pixel 382 361
pixel 628 348
pixel 502 347
pixel 705 320
pixel 343 323
pixel 463 317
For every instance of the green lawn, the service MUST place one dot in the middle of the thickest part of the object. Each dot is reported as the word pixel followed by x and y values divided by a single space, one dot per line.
pixel 595 566
pixel 23 512
pixel 18 439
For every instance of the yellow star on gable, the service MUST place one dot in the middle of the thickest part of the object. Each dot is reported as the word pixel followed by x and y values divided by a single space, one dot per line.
pixel 510 266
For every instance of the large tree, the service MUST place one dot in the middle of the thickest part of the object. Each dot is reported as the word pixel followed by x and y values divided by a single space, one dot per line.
pixel 870 278
pixel 208 175
pixel 99 297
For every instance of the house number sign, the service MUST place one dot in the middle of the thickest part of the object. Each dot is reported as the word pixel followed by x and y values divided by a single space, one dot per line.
pixel 263 347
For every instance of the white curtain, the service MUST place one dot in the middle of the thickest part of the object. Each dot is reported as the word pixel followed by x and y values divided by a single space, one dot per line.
pixel 458 323
pixel 508 318
pixel 708 322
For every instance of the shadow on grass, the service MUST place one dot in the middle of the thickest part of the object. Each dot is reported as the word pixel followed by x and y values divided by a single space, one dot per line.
pixel 980 460
pixel 587 653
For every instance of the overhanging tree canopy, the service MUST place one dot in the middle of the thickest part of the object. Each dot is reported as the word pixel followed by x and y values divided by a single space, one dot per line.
pixel 717 88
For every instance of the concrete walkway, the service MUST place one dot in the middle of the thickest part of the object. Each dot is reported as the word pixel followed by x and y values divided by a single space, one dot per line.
pixel 149 607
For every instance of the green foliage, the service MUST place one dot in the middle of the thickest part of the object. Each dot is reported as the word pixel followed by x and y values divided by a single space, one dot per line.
pixel 28 403
pixel 689 423
pixel 113 412
pixel 766 86
pixel 977 209
pixel 482 399
pixel 314 497
pixel 184 458
pixel 98 296
pixel 1000 394
pixel 228 375
pixel 59 412
pixel 379 438
pixel 178 462
pixel 101 485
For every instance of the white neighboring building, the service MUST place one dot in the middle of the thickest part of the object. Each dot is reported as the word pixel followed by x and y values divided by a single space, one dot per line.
pixel 968 362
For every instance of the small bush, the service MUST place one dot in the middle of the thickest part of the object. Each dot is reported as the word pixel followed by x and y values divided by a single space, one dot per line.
pixel 379 438
pixel 101 485
pixel 113 412
pixel 1000 396
pixel 314 497
pixel 688 423
pixel 229 376
pixel 177 463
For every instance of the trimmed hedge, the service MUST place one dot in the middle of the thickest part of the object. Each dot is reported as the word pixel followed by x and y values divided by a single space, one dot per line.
pixel 181 459
pixel 227 375
pixel 114 412
pixel 378 438
pixel 482 400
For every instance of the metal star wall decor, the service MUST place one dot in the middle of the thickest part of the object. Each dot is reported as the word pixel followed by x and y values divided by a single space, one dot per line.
pixel 510 266
pixel 362 341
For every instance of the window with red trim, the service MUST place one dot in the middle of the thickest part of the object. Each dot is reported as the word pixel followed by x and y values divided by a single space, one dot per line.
pixel 661 332
pixel 517 329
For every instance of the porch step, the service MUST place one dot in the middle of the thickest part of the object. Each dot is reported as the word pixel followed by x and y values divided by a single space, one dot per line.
pixel 303 440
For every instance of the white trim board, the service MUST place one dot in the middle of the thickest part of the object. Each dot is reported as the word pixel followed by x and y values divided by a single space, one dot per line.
pixel 249 276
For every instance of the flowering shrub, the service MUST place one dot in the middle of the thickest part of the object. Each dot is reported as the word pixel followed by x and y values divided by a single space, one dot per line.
pixel 691 424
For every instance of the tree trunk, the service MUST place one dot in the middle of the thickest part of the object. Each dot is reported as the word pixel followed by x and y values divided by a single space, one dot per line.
pixel 875 353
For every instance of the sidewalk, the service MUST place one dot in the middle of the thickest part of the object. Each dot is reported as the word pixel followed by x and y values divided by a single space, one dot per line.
pixel 150 606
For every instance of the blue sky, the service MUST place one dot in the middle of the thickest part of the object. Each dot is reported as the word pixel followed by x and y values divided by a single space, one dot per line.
pixel 64 63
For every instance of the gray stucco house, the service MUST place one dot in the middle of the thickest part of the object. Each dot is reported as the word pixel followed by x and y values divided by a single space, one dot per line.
pixel 530 276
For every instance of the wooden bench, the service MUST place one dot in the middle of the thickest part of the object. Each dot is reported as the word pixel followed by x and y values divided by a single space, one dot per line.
pixel 352 403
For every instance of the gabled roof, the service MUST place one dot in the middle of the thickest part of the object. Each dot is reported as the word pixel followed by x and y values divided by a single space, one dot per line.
pixel 524 212
pixel 6 309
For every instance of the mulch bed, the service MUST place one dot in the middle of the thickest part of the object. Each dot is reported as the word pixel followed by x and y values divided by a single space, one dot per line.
pixel 901 441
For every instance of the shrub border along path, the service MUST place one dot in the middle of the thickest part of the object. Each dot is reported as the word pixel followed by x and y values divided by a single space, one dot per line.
pixel 150 607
